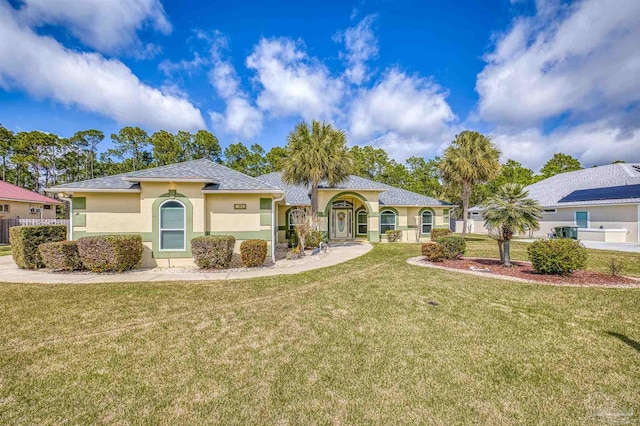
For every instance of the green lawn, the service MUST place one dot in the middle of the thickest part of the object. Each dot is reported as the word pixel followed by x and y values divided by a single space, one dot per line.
pixel 374 340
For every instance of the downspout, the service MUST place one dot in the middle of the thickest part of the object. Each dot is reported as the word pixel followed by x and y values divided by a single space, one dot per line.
pixel 274 231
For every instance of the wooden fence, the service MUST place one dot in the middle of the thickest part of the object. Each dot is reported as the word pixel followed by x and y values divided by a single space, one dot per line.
pixel 5 224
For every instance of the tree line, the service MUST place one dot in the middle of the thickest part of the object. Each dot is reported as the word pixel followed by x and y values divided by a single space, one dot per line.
pixel 36 160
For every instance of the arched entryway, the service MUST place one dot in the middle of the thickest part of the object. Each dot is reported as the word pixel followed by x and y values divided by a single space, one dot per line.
pixel 348 216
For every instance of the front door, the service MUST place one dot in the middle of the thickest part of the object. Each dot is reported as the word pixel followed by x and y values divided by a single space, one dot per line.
pixel 342 223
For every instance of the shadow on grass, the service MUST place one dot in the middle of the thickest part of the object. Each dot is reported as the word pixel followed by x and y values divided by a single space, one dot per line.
pixel 635 345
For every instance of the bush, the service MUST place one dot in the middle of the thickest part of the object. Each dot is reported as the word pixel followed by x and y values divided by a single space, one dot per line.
pixel 292 237
pixel 313 239
pixel 393 236
pixel 253 252
pixel 560 256
pixel 61 255
pixel 213 251
pixel 25 240
pixel 433 252
pixel 440 232
pixel 616 266
pixel 454 246
pixel 111 253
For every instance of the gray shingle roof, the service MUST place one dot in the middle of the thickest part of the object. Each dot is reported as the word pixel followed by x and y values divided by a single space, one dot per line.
pixel 224 177
pixel 550 191
pixel 389 195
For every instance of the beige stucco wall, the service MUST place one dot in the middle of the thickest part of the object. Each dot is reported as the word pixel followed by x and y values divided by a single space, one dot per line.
pixel 22 210
pixel 624 216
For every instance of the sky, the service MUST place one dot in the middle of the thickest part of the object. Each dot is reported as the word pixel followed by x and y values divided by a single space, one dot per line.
pixel 539 77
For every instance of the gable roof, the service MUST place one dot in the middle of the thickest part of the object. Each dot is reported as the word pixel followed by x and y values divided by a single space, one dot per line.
pixel 12 192
pixel 554 191
pixel 389 195
pixel 216 177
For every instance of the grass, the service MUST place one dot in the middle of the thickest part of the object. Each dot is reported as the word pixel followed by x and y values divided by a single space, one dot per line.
pixel 483 246
pixel 5 250
pixel 374 340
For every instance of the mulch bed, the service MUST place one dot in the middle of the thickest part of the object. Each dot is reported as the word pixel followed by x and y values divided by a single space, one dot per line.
pixel 524 270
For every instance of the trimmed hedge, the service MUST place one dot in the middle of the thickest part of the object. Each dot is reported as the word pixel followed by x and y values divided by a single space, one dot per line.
pixel 253 252
pixel 213 251
pixel 433 252
pixel 61 255
pixel 25 240
pixel 560 256
pixel 393 236
pixel 111 253
pixel 454 246
pixel 440 232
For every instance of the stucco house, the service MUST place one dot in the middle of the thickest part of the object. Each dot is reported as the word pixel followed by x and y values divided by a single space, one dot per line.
pixel 603 202
pixel 17 202
pixel 170 205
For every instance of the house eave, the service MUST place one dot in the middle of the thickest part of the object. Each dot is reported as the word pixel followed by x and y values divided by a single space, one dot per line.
pixel 72 190
pixel 164 179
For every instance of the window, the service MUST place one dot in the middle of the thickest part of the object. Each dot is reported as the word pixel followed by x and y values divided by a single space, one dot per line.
pixel 4 208
pixel 387 221
pixel 549 211
pixel 427 221
pixel 290 217
pixel 362 222
pixel 172 226
pixel 582 219
pixel 445 217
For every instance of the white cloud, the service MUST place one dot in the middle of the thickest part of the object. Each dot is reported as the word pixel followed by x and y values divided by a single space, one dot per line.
pixel 44 68
pixel 240 117
pixel 593 143
pixel 409 106
pixel 361 45
pixel 582 60
pixel 292 83
pixel 110 26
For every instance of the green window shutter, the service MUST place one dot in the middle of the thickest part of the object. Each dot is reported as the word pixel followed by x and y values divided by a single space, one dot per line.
pixel 265 204
pixel 79 203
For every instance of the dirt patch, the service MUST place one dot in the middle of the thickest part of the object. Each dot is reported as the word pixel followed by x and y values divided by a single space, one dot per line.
pixel 524 271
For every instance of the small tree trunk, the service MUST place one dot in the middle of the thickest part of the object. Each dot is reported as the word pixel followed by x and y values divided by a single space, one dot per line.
pixel 507 254
pixel 314 205
pixel 501 250
pixel 466 192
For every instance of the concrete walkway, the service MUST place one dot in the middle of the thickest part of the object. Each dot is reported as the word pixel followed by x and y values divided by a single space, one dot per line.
pixel 598 245
pixel 10 273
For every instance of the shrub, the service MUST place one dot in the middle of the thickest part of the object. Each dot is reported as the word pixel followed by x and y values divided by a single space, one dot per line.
pixel 213 251
pixel 616 266
pixel 560 256
pixel 313 239
pixel 439 232
pixel 393 236
pixel 25 240
pixel 454 246
pixel 253 252
pixel 61 255
pixel 433 252
pixel 111 253
pixel 292 237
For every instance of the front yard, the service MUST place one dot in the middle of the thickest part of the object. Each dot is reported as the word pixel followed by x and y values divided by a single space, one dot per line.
pixel 374 340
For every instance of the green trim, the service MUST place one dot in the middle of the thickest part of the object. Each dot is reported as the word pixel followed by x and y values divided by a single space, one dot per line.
pixel 433 219
pixel 265 234
pixel 265 204
pixel 79 203
pixel 397 217
pixel 282 228
pixel 322 214
pixel 155 213
pixel 146 236
pixel 79 220
pixel 374 214
pixel 265 219
pixel 342 194
pixel 374 236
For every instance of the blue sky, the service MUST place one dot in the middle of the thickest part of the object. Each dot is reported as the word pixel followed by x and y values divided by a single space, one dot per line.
pixel 539 77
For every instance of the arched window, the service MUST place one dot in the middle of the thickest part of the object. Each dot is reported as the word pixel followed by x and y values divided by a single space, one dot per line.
pixel 173 233
pixel 387 221
pixel 427 221
pixel 292 214
pixel 361 221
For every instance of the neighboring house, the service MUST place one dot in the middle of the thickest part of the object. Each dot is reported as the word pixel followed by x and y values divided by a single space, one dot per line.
pixel 16 202
pixel 170 205
pixel 603 202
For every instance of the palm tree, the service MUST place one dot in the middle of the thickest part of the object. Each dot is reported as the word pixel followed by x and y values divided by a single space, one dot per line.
pixel 316 154
pixel 510 211
pixel 470 159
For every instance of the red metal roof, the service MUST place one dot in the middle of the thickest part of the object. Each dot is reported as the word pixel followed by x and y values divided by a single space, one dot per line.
pixel 12 192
